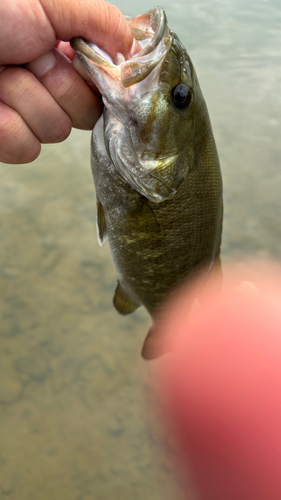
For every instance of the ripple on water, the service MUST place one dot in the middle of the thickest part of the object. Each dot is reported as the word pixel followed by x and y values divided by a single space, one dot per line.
pixel 32 365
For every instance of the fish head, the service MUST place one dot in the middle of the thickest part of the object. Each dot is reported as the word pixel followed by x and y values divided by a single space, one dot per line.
pixel 151 103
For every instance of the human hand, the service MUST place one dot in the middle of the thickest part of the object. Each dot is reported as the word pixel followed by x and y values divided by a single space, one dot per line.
pixel 223 383
pixel 40 102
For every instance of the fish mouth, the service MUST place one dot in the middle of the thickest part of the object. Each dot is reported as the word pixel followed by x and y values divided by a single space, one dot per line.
pixel 128 92
pixel 152 33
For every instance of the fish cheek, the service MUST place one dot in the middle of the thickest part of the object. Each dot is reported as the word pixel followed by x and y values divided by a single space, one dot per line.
pixel 149 114
pixel 160 127
pixel 181 128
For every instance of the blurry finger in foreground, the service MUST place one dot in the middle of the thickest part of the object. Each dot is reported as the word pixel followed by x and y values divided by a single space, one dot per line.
pixel 222 384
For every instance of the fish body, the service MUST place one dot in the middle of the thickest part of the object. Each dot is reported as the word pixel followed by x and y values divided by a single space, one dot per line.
pixel 155 166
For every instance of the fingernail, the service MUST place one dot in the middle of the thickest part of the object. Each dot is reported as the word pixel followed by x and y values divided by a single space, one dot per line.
pixel 79 68
pixel 40 66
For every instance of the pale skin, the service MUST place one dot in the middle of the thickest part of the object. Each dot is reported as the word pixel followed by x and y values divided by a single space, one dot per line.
pixel 42 101
pixel 222 384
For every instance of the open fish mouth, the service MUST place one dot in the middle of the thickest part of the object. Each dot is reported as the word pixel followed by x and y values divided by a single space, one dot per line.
pixel 152 33
pixel 141 126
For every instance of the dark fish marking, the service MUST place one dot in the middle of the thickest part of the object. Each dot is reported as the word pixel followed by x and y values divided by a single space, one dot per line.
pixel 101 224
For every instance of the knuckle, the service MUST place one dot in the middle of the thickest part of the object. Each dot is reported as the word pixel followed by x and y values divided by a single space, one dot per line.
pixel 15 83
pixel 59 131
pixel 66 91
pixel 17 143
pixel 32 153
pixel 65 131
pixel 20 155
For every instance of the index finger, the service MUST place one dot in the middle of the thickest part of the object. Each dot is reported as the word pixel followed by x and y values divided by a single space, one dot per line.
pixel 30 28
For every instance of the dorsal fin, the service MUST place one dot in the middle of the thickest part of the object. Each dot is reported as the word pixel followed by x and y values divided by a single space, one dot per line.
pixel 122 301
pixel 101 224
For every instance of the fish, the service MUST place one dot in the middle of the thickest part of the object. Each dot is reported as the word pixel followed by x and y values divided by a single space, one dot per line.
pixel 156 168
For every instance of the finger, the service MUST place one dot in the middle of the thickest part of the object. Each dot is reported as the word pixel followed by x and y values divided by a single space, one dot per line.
pixel 66 49
pixel 224 383
pixel 21 91
pixel 17 143
pixel 29 28
pixel 98 21
pixel 68 89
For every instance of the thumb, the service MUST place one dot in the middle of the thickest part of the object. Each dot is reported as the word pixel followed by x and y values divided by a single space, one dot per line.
pixel 29 28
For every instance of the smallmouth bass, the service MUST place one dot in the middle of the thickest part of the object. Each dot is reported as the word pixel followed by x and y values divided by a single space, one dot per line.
pixel 155 167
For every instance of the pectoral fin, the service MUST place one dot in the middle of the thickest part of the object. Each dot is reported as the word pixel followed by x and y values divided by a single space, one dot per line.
pixel 148 219
pixel 101 224
pixel 122 301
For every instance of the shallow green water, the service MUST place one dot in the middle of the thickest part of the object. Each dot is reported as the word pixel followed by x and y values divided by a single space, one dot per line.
pixel 75 409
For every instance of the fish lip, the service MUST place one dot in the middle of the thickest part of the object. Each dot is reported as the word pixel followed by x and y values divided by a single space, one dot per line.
pixel 140 65
pixel 157 17
pixel 87 49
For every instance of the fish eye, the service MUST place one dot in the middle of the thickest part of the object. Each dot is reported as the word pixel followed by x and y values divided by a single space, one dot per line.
pixel 181 96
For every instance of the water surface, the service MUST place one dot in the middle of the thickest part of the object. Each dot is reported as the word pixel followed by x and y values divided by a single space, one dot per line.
pixel 75 413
